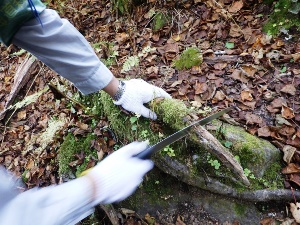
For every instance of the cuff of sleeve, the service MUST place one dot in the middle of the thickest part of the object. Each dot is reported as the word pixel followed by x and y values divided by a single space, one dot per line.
pixel 96 82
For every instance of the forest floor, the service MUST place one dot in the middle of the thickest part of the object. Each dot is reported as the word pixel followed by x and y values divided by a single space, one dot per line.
pixel 242 66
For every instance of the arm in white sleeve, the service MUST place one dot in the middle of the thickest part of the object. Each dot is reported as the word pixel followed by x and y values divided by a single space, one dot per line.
pixel 112 180
pixel 60 46
pixel 67 203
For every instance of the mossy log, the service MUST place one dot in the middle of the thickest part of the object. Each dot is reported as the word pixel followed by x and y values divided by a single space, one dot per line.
pixel 259 156
pixel 193 158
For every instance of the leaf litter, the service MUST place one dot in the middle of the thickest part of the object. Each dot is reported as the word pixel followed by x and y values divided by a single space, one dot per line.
pixel 241 65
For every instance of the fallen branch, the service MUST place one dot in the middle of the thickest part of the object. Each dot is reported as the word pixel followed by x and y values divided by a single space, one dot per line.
pixel 22 76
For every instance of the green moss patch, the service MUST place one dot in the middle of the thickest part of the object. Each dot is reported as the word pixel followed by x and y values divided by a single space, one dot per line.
pixel 72 146
pixel 189 58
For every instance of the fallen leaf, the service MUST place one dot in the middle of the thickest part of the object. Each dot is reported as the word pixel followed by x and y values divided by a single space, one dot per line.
pixel 121 37
pixel 236 6
pixel 237 75
pixel 250 104
pixel 21 115
pixel 176 83
pixel 288 153
pixel 278 102
pixel 253 119
pixel 294 141
pixel 287 130
pixel 296 57
pixel 289 89
pixel 220 66
pixel 219 96
pixel 280 120
pixel 200 88
pixel 291 168
pixel 264 131
pixel 246 95
pixel 267 221
pixel 295 178
pixel 287 112
pixel 235 30
pixel 249 70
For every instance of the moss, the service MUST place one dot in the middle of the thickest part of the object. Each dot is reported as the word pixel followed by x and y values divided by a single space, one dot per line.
pixel 172 112
pixel 240 209
pixel 160 20
pixel 72 146
pixel 282 17
pixel 189 58
pixel 123 6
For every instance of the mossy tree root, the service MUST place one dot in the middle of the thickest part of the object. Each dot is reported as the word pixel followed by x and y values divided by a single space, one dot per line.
pixel 212 145
pixel 182 172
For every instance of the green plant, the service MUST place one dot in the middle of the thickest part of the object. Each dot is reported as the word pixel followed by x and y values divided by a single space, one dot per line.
pixel 159 21
pixel 284 16
pixel 133 120
pixel 189 58
pixel 214 163
pixel 229 45
pixel 169 150
pixel 144 134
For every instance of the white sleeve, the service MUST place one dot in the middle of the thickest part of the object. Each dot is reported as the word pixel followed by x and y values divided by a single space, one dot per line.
pixel 63 204
pixel 63 48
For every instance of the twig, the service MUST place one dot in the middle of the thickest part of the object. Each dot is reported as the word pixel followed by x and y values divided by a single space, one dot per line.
pixel 66 96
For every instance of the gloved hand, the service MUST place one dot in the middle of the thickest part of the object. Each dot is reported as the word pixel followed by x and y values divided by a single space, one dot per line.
pixel 137 92
pixel 118 175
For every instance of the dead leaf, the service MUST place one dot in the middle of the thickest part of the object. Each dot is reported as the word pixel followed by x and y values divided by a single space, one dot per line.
pixel 121 37
pixel 288 153
pixel 251 105
pixel 287 112
pixel 30 164
pixel 294 141
pixel 248 70
pixel 236 6
pixel 219 96
pixel 176 83
pixel 296 57
pixel 264 131
pixel 235 30
pixel 295 178
pixel 280 120
pixel 220 66
pixel 289 89
pixel 278 102
pixel 21 115
pixel 237 75
pixel 291 168
pixel 253 119
pixel 246 95
pixel 200 88
pixel 286 130
pixel 267 221
pixel 170 51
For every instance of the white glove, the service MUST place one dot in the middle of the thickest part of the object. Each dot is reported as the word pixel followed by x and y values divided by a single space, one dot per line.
pixel 117 176
pixel 137 92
